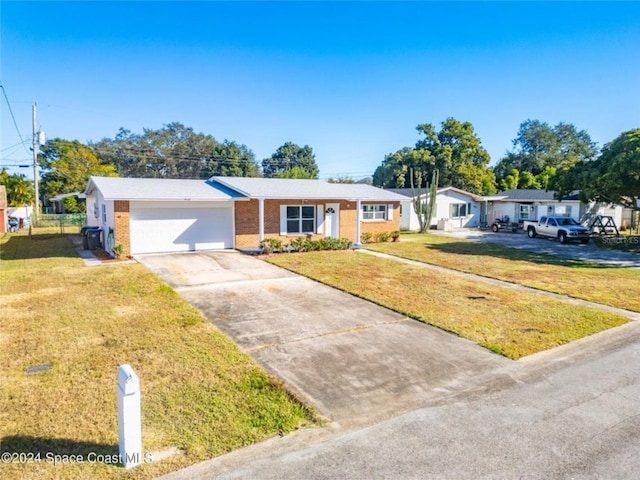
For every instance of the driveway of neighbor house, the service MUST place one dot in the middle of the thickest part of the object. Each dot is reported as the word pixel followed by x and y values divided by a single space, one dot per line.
pixel 548 246
pixel 357 363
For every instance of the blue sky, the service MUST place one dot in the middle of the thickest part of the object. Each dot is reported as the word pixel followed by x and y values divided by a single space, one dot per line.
pixel 351 80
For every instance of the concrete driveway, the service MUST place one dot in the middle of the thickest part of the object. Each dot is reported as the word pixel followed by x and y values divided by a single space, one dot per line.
pixel 357 363
pixel 548 246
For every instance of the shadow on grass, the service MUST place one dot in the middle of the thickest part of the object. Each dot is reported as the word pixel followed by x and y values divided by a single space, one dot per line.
pixel 23 247
pixel 18 444
pixel 515 254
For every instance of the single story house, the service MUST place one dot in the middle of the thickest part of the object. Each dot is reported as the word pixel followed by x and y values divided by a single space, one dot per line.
pixel 455 208
pixel 148 215
pixel 56 204
pixel 529 204
pixel 532 204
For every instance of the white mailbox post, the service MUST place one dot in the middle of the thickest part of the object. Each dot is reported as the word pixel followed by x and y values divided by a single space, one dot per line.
pixel 129 417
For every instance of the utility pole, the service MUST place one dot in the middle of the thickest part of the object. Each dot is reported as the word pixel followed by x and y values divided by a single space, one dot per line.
pixel 36 141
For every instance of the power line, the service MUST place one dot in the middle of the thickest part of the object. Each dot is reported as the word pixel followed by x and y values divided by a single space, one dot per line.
pixel 15 124
pixel 12 146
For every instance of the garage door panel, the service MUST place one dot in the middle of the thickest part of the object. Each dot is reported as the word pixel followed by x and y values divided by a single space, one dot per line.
pixel 178 229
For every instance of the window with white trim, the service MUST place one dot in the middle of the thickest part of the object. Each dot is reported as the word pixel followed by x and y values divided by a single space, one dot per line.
pixel 104 213
pixel 525 211
pixel 374 212
pixel 301 218
pixel 458 210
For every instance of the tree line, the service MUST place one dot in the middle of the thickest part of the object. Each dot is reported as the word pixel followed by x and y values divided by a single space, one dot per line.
pixel 552 157
pixel 174 151
pixel 560 158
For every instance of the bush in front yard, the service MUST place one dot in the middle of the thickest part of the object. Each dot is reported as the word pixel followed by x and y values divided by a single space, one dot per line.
pixel 271 245
pixel 303 244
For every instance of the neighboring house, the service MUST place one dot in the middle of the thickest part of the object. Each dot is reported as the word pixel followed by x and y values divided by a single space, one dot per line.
pixel 57 202
pixel 532 204
pixel 160 215
pixel 529 204
pixel 589 211
pixel 455 208
pixel 3 209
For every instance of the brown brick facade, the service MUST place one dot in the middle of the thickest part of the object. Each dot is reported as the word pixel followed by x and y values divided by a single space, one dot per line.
pixel 247 220
pixel 122 225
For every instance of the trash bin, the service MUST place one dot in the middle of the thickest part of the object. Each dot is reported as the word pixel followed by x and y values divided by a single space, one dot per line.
pixel 83 232
pixel 94 238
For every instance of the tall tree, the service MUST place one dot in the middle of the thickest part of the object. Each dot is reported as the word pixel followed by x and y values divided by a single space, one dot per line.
pixel 291 160
pixel 399 169
pixel 19 189
pixel 538 145
pixel 175 151
pixel 614 177
pixel 230 159
pixel 455 151
pixel 67 166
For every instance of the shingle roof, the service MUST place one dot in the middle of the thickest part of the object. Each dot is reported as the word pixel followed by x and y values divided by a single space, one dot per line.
pixel 526 195
pixel 229 188
pixel 408 192
pixel 405 192
pixel 298 188
pixel 119 188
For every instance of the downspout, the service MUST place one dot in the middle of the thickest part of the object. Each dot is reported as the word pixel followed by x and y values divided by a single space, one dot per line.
pixel 358 233
pixel 261 219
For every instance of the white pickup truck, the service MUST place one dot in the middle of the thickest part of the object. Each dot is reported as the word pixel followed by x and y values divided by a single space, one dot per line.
pixel 565 229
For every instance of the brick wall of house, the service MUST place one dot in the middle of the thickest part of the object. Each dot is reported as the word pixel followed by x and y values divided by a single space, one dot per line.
pixel 247 221
pixel 122 230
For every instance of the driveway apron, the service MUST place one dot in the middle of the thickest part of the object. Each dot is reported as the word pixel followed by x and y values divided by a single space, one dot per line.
pixel 355 362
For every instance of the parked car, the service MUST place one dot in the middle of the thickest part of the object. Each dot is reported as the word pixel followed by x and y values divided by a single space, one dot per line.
pixel 565 229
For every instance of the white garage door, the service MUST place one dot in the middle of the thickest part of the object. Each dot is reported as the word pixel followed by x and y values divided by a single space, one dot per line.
pixel 174 227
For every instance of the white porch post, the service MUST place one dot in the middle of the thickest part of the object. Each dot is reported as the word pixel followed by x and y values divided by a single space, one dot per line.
pixel 486 212
pixel 358 215
pixel 261 218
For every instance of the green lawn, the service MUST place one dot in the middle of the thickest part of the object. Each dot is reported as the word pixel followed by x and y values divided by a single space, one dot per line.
pixel 608 285
pixel 200 393
pixel 506 321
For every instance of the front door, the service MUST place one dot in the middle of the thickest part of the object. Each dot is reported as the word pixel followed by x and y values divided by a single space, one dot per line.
pixel 332 220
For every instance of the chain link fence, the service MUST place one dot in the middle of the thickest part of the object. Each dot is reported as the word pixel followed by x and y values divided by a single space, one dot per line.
pixel 64 223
